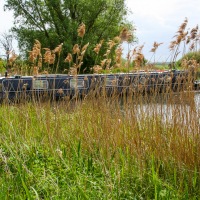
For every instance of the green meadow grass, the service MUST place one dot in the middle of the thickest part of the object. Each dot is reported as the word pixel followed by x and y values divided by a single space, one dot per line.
pixel 100 149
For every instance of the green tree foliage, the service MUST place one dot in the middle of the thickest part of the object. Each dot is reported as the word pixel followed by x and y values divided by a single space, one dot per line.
pixel 191 58
pixel 53 22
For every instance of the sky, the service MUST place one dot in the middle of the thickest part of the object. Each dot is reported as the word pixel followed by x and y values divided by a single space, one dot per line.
pixel 155 20
pixel 159 20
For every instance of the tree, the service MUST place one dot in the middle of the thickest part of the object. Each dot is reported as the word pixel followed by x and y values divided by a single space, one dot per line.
pixel 53 22
pixel 6 45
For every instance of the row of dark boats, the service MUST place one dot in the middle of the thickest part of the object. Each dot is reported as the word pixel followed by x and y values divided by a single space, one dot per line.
pixel 59 86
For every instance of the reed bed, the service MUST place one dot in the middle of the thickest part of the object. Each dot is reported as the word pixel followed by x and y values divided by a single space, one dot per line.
pixel 139 147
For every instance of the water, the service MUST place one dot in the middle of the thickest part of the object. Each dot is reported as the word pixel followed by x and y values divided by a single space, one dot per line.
pixel 180 108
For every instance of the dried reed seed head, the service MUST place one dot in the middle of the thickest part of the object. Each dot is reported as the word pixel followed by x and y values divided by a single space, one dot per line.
pixel 79 65
pixel 134 51
pixel 193 32
pixel 40 62
pixel 47 55
pixel 140 48
pixel 179 39
pixel 32 56
pixel 128 56
pixel 81 30
pixel 192 46
pixel 155 46
pixel 68 58
pixel 125 35
pixel 117 39
pixel 96 50
pixel 12 58
pixel 139 57
pixel 37 44
pixel 172 45
pixel 117 65
pixel 98 47
pixel 73 70
pixel 103 62
pixel 76 49
pixel 45 72
pixel 108 63
pixel 58 49
pixel 153 50
pixel 119 51
pixel 183 25
pixel 83 53
pixel 35 70
pixel 80 57
pixel 111 44
pixel 107 53
pixel 97 68
pixel 85 47
pixel 52 58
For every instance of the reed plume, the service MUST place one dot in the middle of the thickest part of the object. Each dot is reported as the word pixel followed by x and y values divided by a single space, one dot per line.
pixel 81 30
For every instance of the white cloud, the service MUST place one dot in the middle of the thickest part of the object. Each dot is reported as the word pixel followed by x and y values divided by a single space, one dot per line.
pixel 6 18
pixel 158 20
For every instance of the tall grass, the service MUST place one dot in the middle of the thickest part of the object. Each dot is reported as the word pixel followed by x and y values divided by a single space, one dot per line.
pixel 101 149
pixel 138 146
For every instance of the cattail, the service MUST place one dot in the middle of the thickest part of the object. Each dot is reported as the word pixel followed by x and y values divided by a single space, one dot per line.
pixel 81 30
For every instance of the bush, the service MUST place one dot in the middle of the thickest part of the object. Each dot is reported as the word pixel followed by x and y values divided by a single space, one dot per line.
pixel 191 58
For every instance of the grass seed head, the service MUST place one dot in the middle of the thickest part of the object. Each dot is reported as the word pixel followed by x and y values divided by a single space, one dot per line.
pixel 81 30
pixel 68 58
pixel 76 49
pixel 126 35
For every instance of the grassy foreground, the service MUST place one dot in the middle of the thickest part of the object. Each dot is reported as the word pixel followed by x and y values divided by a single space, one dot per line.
pixel 100 149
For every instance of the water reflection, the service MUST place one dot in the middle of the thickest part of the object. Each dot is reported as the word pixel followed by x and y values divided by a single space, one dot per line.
pixel 180 108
